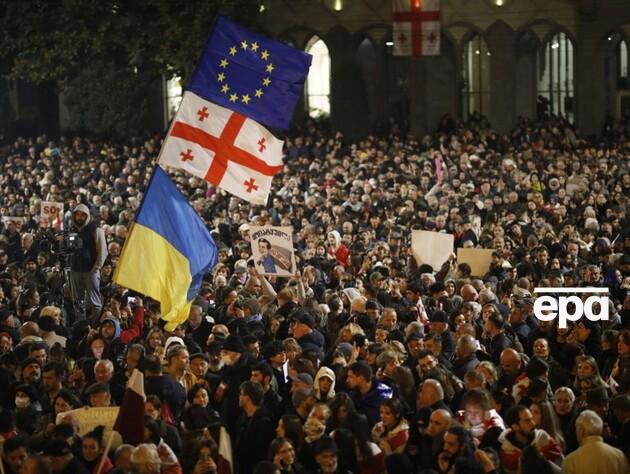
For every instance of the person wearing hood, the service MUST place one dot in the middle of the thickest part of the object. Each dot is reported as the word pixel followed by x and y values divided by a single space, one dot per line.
pixel 324 384
pixel 87 261
pixel 336 249
pixel 118 338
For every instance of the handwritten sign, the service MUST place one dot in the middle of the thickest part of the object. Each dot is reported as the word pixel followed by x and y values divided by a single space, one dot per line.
pixel 51 215
pixel 89 418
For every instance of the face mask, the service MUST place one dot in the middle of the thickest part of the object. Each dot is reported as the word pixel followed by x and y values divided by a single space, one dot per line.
pixel 22 402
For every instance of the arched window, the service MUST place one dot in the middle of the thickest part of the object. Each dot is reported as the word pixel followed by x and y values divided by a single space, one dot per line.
pixel 556 87
pixel 622 58
pixel 476 64
pixel 173 96
pixel 318 82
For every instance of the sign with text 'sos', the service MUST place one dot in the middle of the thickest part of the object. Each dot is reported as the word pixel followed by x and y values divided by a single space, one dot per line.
pixel 51 215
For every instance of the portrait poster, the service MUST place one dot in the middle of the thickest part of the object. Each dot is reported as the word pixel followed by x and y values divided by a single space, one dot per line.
pixel 272 250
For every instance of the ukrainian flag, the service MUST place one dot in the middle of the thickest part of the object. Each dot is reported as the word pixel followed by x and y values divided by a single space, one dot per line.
pixel 168 250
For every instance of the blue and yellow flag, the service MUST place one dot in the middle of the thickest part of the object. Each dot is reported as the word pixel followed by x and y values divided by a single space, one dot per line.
pixel 250 74
pixel 168 250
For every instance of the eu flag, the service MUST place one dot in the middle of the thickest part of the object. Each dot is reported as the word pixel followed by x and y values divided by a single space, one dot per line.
pixel 250 74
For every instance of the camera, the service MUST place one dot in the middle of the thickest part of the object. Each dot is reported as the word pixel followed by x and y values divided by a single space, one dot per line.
pixel 61 243
pixel 69 242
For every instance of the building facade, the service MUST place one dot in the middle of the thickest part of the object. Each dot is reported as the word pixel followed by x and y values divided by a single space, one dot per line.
pixel 501 58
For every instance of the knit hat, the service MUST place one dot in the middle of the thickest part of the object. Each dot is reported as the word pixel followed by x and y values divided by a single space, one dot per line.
pixel 325 444
pixel 234 343
pixel 29 361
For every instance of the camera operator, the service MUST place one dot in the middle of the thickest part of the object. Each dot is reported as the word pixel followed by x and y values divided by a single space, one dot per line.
pixel 88 261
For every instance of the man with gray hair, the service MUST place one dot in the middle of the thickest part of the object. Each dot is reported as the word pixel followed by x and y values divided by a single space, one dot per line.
pixel 594 456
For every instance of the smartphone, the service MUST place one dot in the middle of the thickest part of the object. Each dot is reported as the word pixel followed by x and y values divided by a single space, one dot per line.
pixel 131 300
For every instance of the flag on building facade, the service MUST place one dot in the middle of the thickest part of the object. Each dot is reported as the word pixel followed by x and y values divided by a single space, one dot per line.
pixel 223 147
pixel 168 250
pixel 130 420
pixel 246 72
pixel 416 27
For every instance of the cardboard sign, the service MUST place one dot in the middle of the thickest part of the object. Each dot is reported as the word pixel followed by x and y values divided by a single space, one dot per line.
pixel 478 259
pixel 89 418
pixel 51 215
pixel 431 248
pixel 272 250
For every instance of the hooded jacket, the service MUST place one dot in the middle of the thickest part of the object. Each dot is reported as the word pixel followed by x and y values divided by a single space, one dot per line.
pixel 93 253
pixel 324 372
pixel 340 251
pixel 370 403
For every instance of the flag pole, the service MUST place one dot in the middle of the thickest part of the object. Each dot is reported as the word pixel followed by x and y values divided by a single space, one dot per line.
pixel 105 452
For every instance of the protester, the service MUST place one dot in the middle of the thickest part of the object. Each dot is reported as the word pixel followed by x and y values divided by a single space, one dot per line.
pixel 366 359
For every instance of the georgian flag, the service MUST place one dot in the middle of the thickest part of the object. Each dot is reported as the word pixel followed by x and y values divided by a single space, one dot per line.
pixel 416 27
pixel 223 147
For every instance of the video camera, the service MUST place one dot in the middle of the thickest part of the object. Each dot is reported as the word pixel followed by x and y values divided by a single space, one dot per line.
pixel 61 243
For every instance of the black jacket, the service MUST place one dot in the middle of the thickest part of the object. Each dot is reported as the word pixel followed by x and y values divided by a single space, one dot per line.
pixel 226 395
pixel 252 444
pixel 462 366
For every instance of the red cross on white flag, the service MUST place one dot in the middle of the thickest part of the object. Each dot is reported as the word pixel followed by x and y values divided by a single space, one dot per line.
pixel 416 27
pixel 225 148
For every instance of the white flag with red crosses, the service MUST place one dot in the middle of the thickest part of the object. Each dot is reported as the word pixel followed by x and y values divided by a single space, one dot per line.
pixel 223 147
pixel 416 27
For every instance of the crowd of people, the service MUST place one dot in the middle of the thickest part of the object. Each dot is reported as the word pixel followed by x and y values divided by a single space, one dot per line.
pixel 366 360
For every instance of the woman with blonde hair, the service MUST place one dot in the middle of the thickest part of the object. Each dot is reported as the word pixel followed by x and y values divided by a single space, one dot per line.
pixel 489 372
pixel 347 332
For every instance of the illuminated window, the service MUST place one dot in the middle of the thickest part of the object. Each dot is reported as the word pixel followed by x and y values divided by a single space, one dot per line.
pixel 318 82
pixel 476 64
pixel 557 84
pixel 622 55
pixel 173 89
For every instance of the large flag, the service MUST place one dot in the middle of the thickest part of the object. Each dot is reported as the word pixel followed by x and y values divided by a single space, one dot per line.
pixel 250 74
pixel 223 147
pixel 130 421
pixel 168 250
pixel 416 27
pixel 225 465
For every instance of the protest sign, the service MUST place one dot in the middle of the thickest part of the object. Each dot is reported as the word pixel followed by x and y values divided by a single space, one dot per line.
pixel 431 248
pixel 272 250
pixel 51 215
pixel 91 417
pixel 478 259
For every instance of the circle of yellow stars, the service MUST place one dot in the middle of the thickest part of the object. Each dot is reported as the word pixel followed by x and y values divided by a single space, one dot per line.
pixel 254 47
